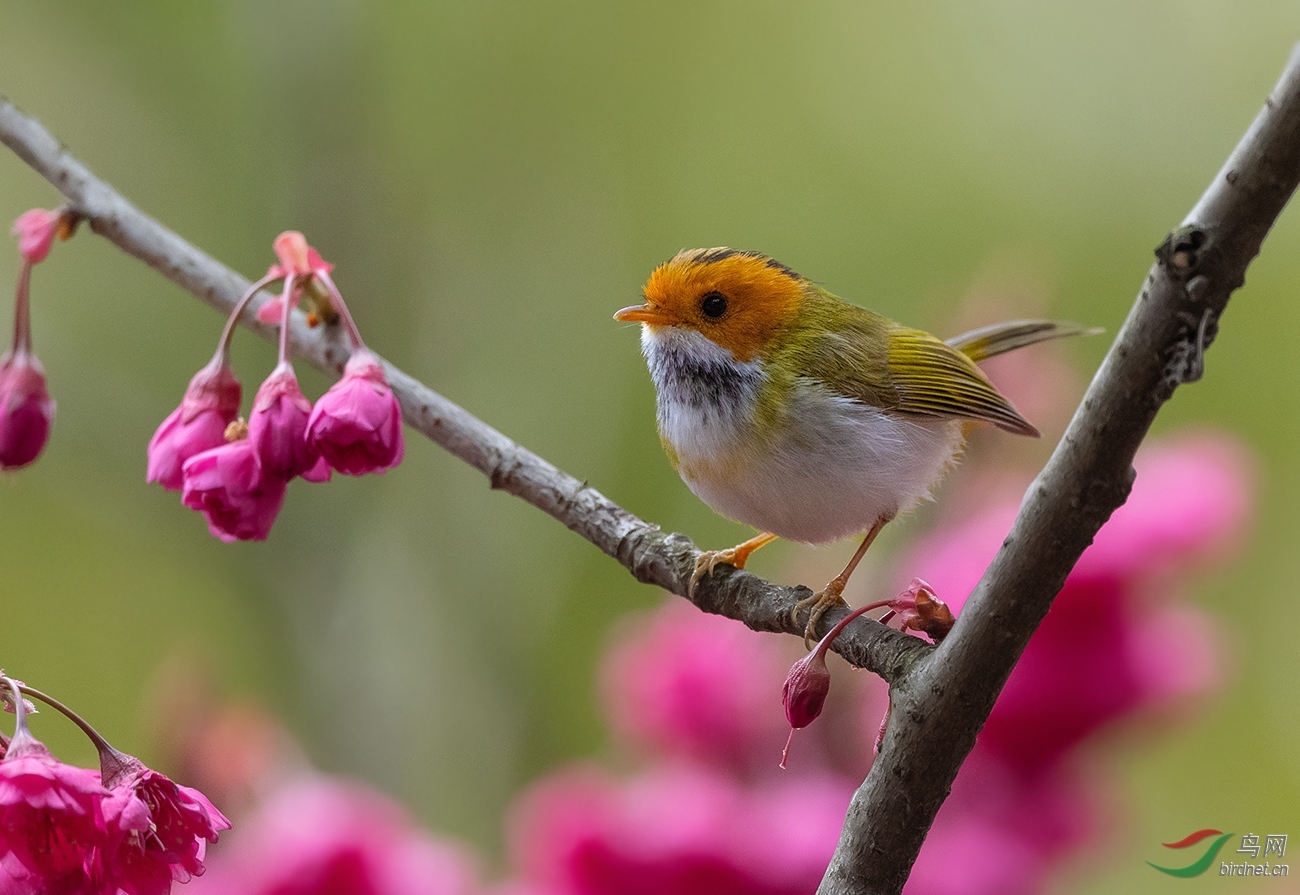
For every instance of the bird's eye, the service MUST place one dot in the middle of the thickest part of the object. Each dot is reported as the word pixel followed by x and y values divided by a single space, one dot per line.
pixel 714 305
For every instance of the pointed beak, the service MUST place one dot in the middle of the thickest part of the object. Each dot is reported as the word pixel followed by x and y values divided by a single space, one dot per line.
pixel 643 314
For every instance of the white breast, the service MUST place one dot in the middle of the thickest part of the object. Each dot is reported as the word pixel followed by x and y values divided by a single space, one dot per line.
pixel 829 470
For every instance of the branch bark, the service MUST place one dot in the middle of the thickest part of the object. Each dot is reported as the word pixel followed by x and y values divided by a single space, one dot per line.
pixel 651 555
pixel 940 697
pixel 941 704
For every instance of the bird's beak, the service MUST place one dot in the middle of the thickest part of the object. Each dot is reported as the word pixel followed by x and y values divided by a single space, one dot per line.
pixel 643 314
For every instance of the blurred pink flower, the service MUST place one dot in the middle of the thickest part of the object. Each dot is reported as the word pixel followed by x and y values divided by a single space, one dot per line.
pixel 1191 501
pixel 357 424
pixel 227 486
pixel 277 427
pixel 210 404
pixel 26 409
pixel 320 836
pixel 689 684
pixel 1191 498
pixel 676 830
pixel 50 813
pixel 999 833
pixel 36 230
pixel 1104 650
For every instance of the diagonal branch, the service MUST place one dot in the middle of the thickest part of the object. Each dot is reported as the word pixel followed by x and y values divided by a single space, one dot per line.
pixel 652 556
pixel 940 704
pixel 940 697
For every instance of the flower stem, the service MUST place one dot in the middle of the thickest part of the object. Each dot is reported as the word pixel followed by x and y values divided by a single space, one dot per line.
pixel 222 357
pixel 20 710
pixel 354 334
pixel 286 297
pixel 825 643
pixel 101 744
pixel 22 311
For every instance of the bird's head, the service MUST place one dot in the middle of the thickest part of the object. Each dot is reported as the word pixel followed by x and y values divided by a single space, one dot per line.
pixel 738 300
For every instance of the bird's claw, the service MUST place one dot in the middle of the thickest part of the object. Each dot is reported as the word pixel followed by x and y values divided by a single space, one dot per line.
pixel 831 595
pixel 705 562
pixel 736 557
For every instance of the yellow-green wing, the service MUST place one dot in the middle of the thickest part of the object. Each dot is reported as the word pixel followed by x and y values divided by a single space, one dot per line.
pixel 932 378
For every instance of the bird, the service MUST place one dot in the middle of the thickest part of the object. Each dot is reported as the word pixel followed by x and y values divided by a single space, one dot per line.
pixel 811 419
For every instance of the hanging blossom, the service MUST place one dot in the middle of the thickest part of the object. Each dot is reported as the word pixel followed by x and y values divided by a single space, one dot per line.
pixel 124 828
pixel 237 473
pixel 26 409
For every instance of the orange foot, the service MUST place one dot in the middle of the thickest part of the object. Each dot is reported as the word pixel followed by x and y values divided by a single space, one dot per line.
pixel 733 556
pixel 831 595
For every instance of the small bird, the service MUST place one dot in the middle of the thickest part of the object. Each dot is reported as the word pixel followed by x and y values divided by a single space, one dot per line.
pixel 790 410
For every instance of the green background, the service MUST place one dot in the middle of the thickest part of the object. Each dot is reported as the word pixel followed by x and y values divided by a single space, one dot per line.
pixel 493 179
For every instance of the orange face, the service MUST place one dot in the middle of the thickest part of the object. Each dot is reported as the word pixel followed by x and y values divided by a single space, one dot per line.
pixel 739 300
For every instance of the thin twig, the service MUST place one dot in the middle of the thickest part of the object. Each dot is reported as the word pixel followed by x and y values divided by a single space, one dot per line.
pixel 940 705
pixel 649 554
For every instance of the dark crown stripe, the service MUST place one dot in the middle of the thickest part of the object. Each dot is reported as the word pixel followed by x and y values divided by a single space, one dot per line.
pixel 712 256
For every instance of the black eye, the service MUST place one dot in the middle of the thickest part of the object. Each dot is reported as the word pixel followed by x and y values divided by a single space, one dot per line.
pixel 714 305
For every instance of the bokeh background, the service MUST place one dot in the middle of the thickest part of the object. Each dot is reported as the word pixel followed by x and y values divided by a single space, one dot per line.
pixel 493 180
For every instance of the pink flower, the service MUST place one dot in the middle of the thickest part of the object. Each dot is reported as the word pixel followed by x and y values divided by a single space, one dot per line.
pixel 678 830
pixel 15 879
pixel 1104 650
pixel 1191 499
pixel 691 684
pixel 36 230
pixel 50 813
pixel 1003 831
pixel 210 404
pixel 228 486
pixel 357 424
pixel 26 409
pixel 158 830
pixel 297 259
pixel 277 428
pixel 318 836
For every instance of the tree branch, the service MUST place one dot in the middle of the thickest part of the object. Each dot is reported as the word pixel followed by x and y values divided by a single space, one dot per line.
pixel 653 557
pixel 940 697
pixel 941 703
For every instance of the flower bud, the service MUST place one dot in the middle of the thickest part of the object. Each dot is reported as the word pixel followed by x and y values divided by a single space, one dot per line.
pixel 230 488
pixel 920 610
pixel 36 230
pixel 357 424
pixel 805 689
pixel 210 404
pixel 277 427
pixel 26 409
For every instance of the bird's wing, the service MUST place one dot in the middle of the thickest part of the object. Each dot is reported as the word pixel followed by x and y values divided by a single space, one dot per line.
pixel 933 379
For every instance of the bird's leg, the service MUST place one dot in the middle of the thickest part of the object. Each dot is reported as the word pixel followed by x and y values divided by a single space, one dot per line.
pixel 832 594
pixel 734 556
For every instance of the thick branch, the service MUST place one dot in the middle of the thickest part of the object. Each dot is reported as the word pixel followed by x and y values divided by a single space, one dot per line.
pixel 942 703
pixel 653 557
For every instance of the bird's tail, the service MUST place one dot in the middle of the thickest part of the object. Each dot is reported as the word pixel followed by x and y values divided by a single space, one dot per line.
pixel 990 341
